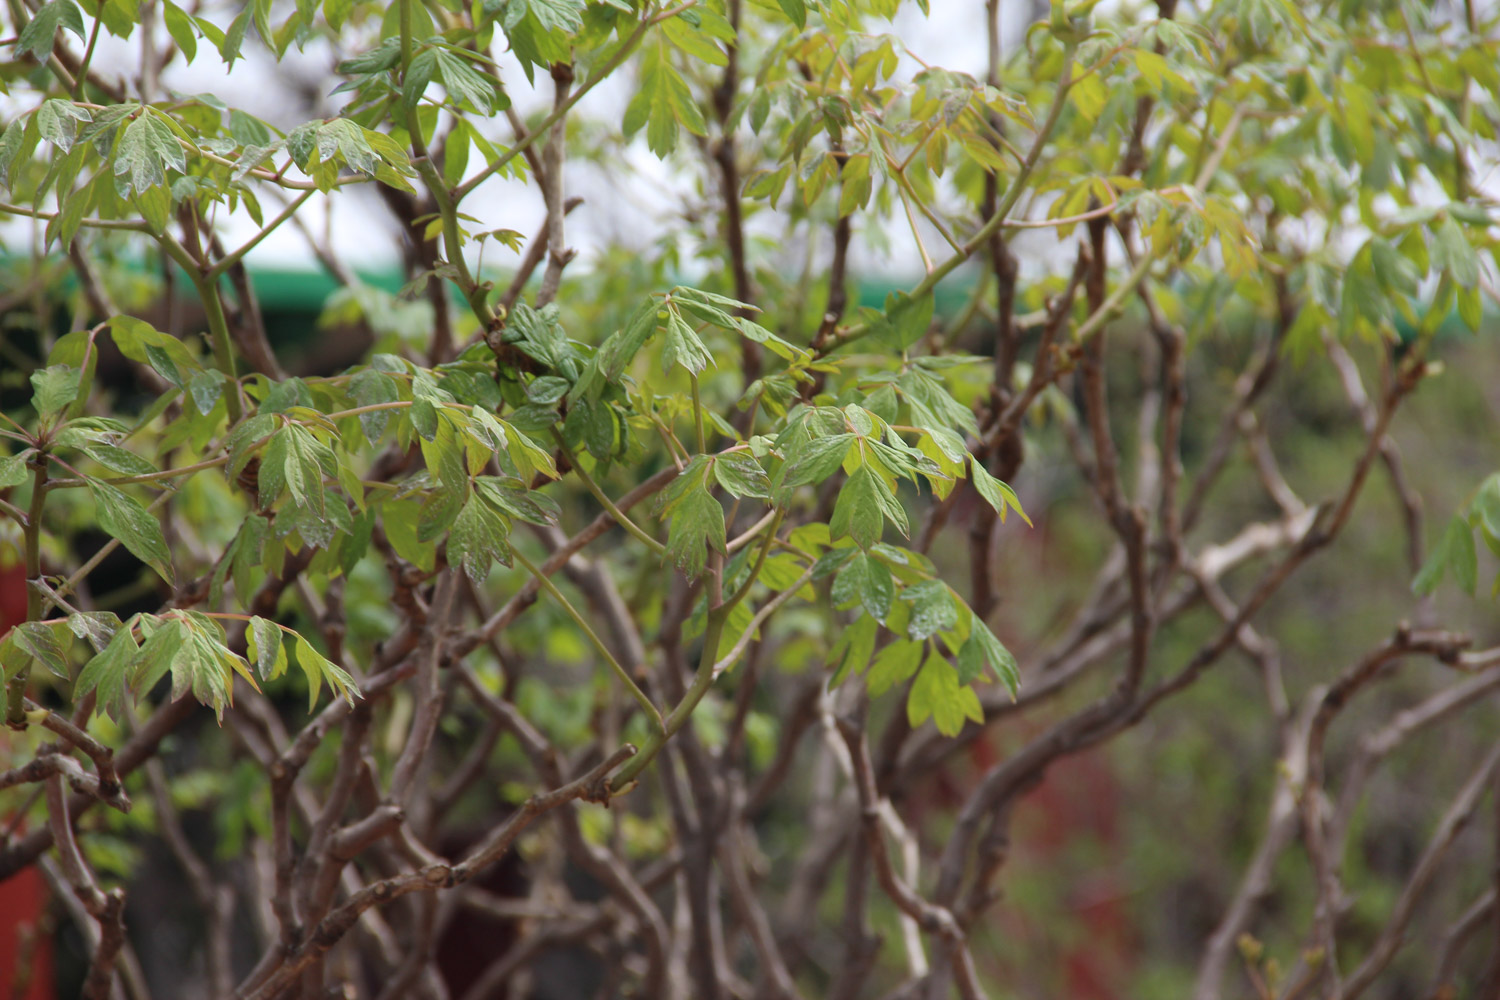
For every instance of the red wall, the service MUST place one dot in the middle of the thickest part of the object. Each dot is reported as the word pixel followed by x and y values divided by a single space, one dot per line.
pixel 23 897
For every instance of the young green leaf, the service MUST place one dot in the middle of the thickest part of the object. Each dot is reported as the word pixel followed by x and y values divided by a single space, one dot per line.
pixel 851 653
pixel 859 512
pixel 13 471
pixel 813 460
pixel 866 580
pixel 201 665
pixel 558 15
pixel 1452 252
pixel 995 493
pixel 906 319
pixel 937 694
pixel 180 27
pixel 369 387
pixel 697 524
pixel 147 149
pixel 54 388
pixel 110 672
pixel 97 627
pixel 36 38
pixel 318 669
pixel 982 647
pixel 683 345
pixel 40 642
pixel 123 516
pixel 933 608
pixel 264 644
pixel 479 535
pixel 57 121
pixel 795 11
pixel 118 459
pixel 1455 551
pixel 465 83
pixel 662 104
pixel 741 475
pixel 893 665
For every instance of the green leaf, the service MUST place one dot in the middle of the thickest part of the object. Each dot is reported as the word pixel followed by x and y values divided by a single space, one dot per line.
pixel 206 388
pixel 13 471
pixel 813 460
pixel 318 669
pixel 123 517
pixel 248 130
pixel 1455 551
pixel 400 521
pixel 662 104
pixel 369 387
pixel 260 14
pixel 906 319
pixel 54 388
pixel 693 43
pixel 180 27
pixel 859 512
pixel 57 122
pixel 683 345
pixel 118 459
pixel 893 665
pixel 140 341
pixel 558 15
pixel 1471 307
pixel 465 83
pixel 418 75
pixel 110 672
pixel 741 475
pixel 933 608
pixel 538 334
pixel 867 581
pixel 294 461
pixel 760 335
pixel 36 38
pixel 997 494
pixel 936 694
pixel 243 556
pixel 424 417
pixel 851 653
pixel 264 643
pixel 147 148
pixel 342 139
pixel 377 60
pixel 479 535
pixel 530 459
pixel 616 353
pixel 988 648
pixel 697 522
pixel 229 47
pixel 1451 251
pixel 11 142
pixel 13 659
pixel 547 390
pixel 795 12
pixel 40 642
pixel 522 504
pixel 201 666
pixel 933 406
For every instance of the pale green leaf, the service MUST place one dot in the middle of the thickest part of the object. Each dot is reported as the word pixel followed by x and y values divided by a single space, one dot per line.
pixel 123 517
pixel 54 388
pixel 697 524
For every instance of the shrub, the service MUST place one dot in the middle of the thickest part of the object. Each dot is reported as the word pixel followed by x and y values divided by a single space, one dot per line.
pixel 658 614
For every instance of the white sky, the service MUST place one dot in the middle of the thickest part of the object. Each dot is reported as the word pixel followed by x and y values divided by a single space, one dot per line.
pixel 632 206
